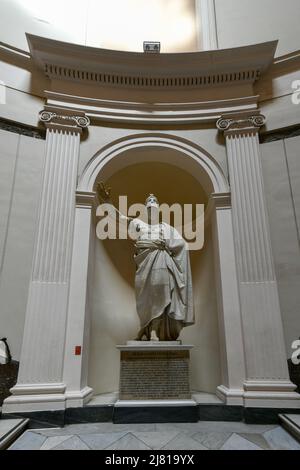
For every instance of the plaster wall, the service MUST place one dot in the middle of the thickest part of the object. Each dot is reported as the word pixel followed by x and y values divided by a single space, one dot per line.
pixel 243 22
pixel 21 162
pixel 281 171
pixel 91 23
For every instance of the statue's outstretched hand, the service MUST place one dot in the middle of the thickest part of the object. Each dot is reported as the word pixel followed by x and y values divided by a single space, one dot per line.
pixel 103 192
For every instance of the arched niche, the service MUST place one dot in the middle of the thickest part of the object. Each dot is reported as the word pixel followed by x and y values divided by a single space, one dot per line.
pixel 107 295
pixel 113 313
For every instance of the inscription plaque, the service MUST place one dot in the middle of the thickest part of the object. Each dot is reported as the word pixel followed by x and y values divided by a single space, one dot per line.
pixel 155 373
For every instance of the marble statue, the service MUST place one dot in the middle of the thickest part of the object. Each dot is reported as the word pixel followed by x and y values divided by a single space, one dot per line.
pixel 163 282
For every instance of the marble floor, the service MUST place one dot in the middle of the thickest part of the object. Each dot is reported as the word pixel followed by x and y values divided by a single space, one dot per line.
pixel 187 436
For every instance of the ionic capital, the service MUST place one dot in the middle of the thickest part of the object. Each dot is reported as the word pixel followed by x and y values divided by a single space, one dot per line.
pixel 241 123
pixel 64 119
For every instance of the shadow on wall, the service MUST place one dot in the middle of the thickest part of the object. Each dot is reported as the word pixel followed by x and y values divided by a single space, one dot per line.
pixel 114 317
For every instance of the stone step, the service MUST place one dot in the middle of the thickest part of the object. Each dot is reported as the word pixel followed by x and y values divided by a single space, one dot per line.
pixel 291 423
pixel 10 430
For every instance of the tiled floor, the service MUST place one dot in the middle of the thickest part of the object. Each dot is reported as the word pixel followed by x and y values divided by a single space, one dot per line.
pixel 189 436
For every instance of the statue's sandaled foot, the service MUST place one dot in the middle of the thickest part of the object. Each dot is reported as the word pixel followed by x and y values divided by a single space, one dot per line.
pixel 142 334
pixel 154 336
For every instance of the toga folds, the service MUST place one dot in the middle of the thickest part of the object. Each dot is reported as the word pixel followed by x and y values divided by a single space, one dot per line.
pixel 163 281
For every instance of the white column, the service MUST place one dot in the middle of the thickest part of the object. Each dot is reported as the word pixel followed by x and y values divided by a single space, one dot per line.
pixel 231 390
pixel 206 25
pixel 78 323
pixel 267 380
pixel 40 382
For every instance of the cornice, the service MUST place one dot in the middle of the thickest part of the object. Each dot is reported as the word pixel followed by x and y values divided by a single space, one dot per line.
pixel 109 68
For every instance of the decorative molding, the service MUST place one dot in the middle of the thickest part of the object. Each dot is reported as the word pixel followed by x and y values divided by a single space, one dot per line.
pixel 109 68
pixel 85 199
pixel 215 180
pixel 220 200
pixel 37 389
pixel 14 51
pixel 22 129
pixel 280 386
pixel 280 134
pixel 64 119
pixel 232 124
pixel 217 201
pixel 146 113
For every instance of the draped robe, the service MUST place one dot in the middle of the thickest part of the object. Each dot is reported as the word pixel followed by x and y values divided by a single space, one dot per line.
pixel 163 281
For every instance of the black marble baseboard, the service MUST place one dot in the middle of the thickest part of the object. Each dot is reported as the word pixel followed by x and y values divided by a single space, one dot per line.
pixel 266 415
pixel 220 412
pixel 157 414
pixel 89 414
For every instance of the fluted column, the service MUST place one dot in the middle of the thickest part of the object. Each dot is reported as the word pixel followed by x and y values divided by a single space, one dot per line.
pixel 40 381
pixel 267 379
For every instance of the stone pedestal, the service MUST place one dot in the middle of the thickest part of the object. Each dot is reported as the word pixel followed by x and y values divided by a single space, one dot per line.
pixel 154 371
pixel 155 383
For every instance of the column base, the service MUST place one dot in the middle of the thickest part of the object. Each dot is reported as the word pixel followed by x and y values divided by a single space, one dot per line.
pixel 79 398
pixel 261 394
pixel 271 394
pixel 45 397
pixel 230 396
pixel 35 397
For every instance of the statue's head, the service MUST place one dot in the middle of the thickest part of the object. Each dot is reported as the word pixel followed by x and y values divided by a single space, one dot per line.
pixel 152 206
pixel 152 201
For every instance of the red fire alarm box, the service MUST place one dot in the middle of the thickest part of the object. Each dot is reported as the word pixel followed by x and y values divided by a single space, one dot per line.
pixel 77 350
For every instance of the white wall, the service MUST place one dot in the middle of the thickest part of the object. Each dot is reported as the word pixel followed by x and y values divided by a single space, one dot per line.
pixel 281 167
pixel 124 24
pixel 243 22
pixel 21 161
pixel 111 24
